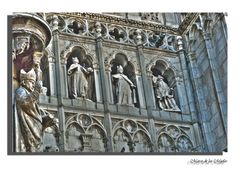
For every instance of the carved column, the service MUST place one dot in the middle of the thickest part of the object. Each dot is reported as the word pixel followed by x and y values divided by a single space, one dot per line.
pixel 146 89
pixel 107 116
pixel 59 86
pixel 183 85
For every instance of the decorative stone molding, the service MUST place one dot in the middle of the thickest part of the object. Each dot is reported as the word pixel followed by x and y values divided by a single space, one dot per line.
pixel 112 54
pixel 122 21
pixel 172 138
pixel 116 32
pixel 166 62
pixel 134 135
pixel 86 132
pixel 85 47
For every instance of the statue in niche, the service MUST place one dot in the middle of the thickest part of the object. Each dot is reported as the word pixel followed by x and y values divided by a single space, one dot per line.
pixel 125 89
pixel 77 80
pixel 32 120
pixel 164 95
pixel 165 145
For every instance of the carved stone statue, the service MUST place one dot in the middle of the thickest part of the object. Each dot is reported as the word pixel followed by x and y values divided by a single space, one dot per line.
pixel 125 89
pixel 78 84
pixel 32 120
pixel 164 95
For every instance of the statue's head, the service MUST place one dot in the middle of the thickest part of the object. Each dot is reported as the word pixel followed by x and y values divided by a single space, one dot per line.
pixel 119 69
pixel 75 60
pixel 28 79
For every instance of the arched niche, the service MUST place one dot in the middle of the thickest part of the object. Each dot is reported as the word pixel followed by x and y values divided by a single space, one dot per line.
pixel 128 70
pixel 86 61
pixel 162 69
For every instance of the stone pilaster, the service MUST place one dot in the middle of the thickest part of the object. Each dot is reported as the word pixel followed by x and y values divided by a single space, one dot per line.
pixel 186 80
pixel 146 89
pixel 107 116
pixel 59 86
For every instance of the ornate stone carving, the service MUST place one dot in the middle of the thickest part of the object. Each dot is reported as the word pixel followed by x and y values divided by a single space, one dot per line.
pixel 172 138
pixel 116 32
pixel 89 134
pixel 125 22
pixel 131 136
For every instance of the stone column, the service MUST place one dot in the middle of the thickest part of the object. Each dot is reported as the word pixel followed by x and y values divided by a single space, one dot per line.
pixel 109 84
pixel 59 86
pixel 63 75
pixel 140 90
pixel 183 84
pixel 107 116
pixel 146 89
pixel 52 75
pixel 97 80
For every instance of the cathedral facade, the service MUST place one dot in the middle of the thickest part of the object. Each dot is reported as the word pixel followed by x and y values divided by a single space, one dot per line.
pixel 118 82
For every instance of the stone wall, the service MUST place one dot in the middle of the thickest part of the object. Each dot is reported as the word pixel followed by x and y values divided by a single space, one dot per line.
pixel 207 50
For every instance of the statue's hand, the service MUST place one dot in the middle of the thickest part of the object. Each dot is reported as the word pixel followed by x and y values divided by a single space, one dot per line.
pixel 89 69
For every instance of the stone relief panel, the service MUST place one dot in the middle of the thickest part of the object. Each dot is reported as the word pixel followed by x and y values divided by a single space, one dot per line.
pixel 172 138
pixel 85 133
pixel 131 136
